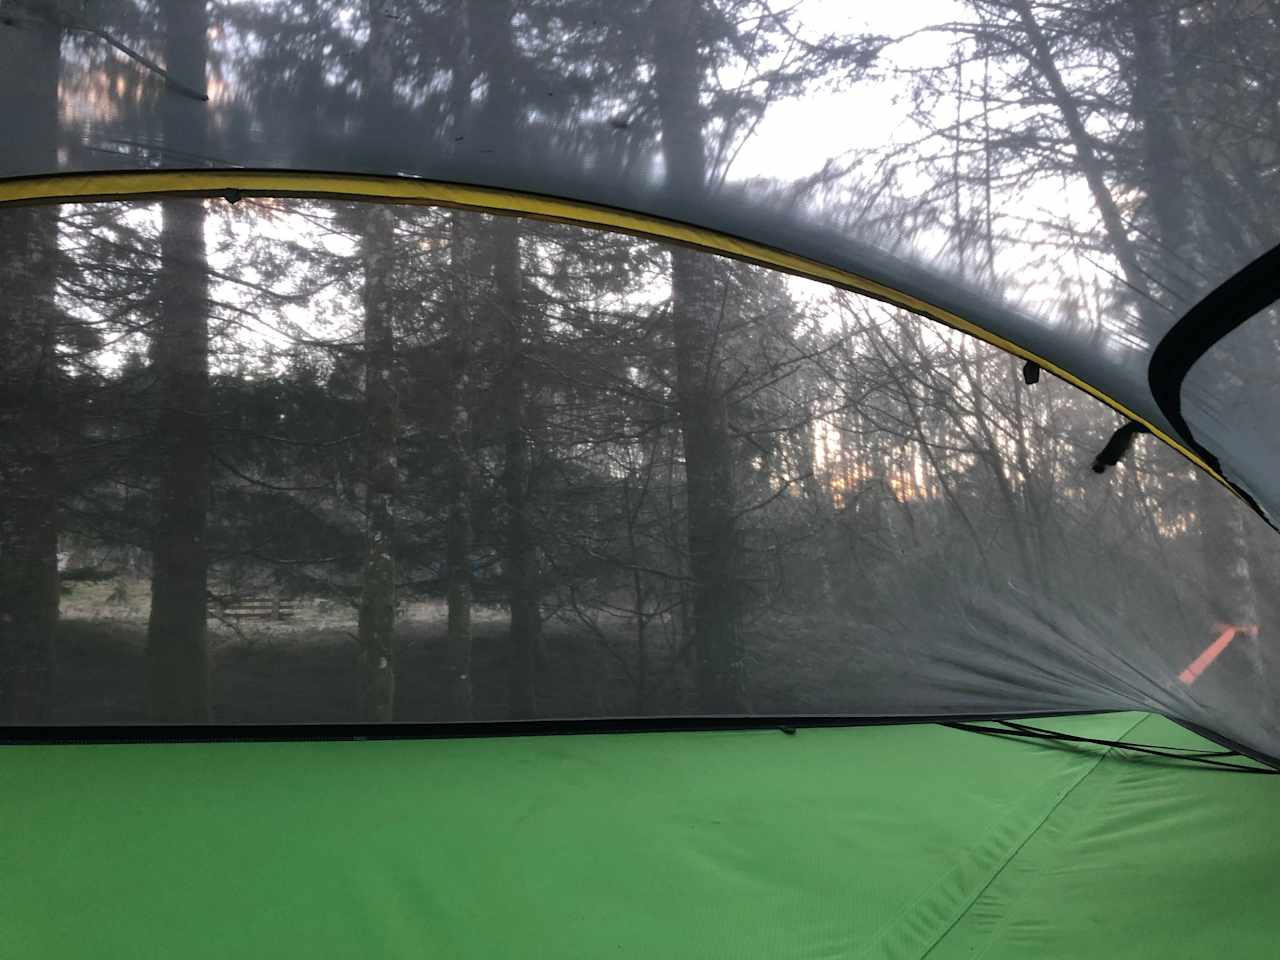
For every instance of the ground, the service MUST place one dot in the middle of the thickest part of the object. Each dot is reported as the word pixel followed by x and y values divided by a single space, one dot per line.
pixel 305 669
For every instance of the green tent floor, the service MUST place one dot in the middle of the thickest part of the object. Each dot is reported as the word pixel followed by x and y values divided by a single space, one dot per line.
pixel 891 841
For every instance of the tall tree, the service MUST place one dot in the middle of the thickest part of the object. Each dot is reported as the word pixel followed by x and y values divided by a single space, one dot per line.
pixel 377 623
pixel 493 44
pixel 459 334
pixel 29 377
pixel 521 549
pixel 459 535
pixel 177 644
pixel 695 314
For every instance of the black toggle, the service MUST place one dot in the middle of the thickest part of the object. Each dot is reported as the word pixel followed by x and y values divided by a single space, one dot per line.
pixel 1117 446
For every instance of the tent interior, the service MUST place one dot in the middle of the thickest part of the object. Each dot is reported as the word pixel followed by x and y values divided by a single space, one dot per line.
pixel 639 478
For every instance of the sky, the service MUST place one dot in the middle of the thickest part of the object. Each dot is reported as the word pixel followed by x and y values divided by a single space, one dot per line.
pixel 798 136
pixel 830 123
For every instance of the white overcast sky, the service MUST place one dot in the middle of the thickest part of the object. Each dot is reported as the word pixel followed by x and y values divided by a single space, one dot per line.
pixel 798 135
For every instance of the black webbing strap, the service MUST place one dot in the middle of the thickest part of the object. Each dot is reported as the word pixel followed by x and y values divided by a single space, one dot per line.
pixel 1225 308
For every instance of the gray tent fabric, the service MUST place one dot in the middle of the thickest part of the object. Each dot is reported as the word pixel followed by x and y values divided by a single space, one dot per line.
pixel 1060 176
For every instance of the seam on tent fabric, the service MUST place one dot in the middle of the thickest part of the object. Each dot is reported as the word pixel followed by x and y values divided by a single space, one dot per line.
pixel 89 187
pixel 1013 854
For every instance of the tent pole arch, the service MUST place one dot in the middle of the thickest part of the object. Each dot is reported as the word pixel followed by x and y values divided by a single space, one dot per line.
pixel 237 183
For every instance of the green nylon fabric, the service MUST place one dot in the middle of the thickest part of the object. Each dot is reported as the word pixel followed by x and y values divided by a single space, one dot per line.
pixel 892 841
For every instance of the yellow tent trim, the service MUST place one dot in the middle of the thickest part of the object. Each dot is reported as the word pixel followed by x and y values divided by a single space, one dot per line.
pixel 111 186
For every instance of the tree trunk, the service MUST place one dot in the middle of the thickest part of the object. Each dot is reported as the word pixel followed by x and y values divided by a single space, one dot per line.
pixel 177 646
pixel 709 490
pixel 695 315
pixel 495 56
pixel 1041 58
pixel 521 550
pixel 29 480
pixel 459 534
pixel 29 591
pixel 377 621
pixel 631 509
pixel 376 628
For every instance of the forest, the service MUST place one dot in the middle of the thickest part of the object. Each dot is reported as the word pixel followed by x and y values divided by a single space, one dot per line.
pixel 271 459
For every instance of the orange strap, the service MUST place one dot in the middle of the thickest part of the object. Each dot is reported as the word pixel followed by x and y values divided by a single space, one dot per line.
pixel 1211 652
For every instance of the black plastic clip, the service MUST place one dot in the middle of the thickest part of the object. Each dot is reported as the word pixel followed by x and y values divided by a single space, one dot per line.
pixel 1117 446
